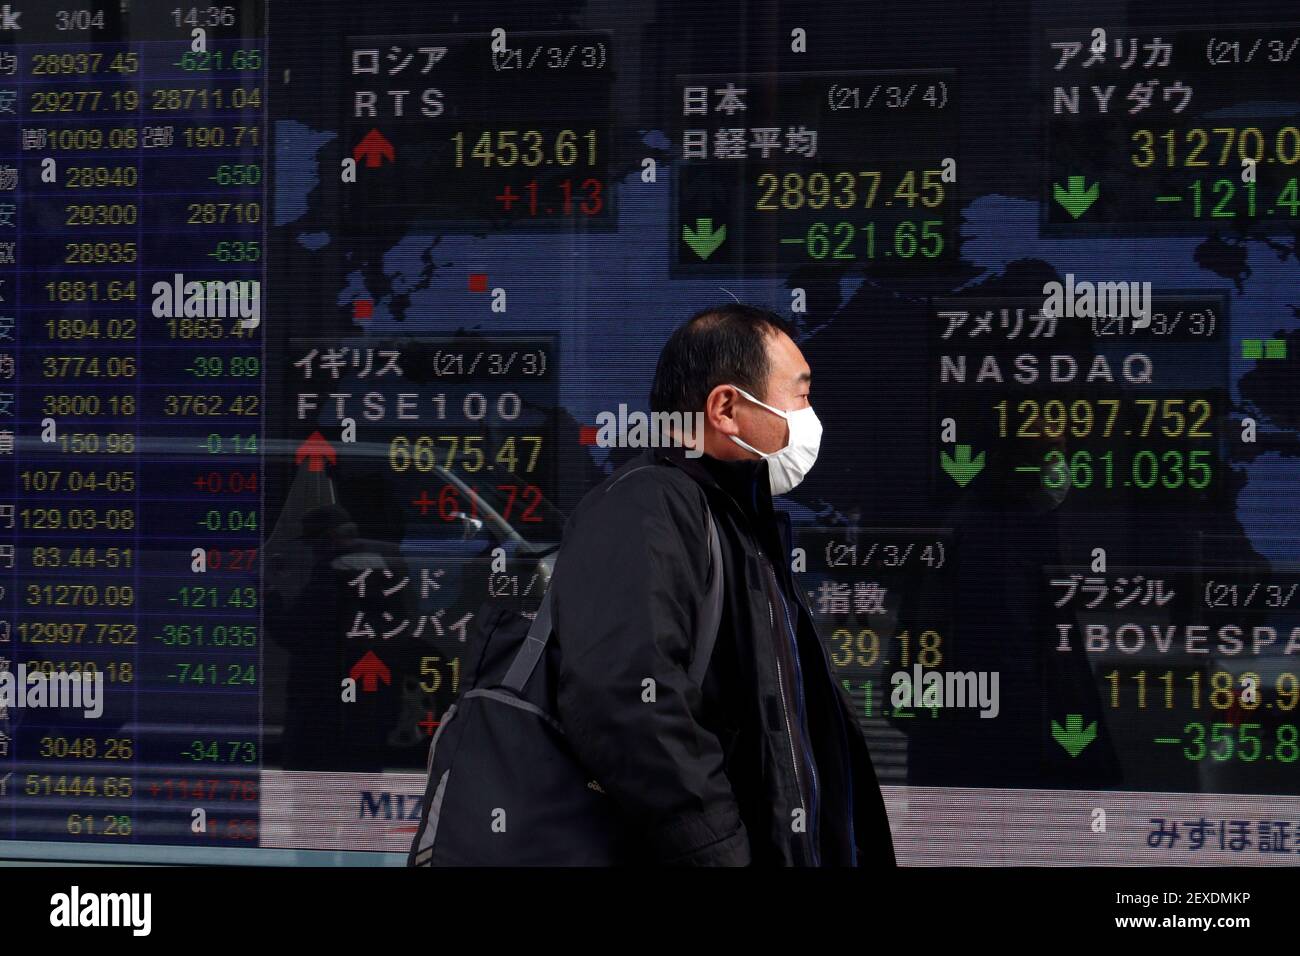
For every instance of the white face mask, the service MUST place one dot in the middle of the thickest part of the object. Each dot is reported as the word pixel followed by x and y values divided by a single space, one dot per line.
pixel 789 466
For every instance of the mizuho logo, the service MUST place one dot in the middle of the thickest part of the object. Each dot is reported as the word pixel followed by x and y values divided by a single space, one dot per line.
pixel 382 807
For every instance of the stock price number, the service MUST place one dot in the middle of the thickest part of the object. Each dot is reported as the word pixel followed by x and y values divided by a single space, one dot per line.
pixel 87 748
pixel 1227 741
pixel 213 61
pixel 512 501
pixel 206 328
pixel 76 632
pixel 847 190
pixel 212 598
pixel 846 240
pixel 50 480
pixel 80 290
pixel 110 825
pixel 99 253
pixel 116 672
pixel 1105 417
pixel 233 520
pixel 226 483
pixel 469 453
pixel 529 147
pixel 77 519
pixel 1145 469
pixel 221 751
pixel 217 444
pixel 203 789
pixel 222 366
pixel 213 675
pixel 92 443
pixel 189 99
pixel 862 648
pixel 1222 693
pixel 83 63
pixel 208 635
pixel 89 366
pixel 88 405
pixel 109 559
pixel 72 329
pixel 79 595
pixel 101 177
pixel 110 788
pixel 431 674
pixel 189 405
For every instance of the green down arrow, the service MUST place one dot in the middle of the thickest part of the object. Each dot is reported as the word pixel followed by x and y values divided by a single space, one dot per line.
pixel 704 239
pixel 1076 199
pixel 1074 736
pixel 961 467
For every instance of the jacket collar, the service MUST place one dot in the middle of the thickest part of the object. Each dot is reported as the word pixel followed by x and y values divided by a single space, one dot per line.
pixel 744 480
pixel 745 486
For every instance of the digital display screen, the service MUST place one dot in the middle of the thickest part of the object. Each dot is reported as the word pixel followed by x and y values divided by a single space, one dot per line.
pixel 272 271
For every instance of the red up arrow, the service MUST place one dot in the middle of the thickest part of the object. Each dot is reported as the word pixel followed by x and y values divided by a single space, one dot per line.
pixel 374 148
pixel 316 451
pixel 370 670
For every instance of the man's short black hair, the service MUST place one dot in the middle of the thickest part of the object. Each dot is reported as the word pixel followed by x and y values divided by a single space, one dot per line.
pixel 720 345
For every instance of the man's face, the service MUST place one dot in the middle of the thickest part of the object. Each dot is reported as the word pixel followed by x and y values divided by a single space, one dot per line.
pixel 788 382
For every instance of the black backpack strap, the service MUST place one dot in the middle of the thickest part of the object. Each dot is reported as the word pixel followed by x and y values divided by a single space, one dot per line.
pixel 539 634
pixel 712 606
pixel 521 668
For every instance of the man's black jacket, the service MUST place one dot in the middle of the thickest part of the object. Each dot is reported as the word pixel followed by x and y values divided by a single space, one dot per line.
pixel 705 774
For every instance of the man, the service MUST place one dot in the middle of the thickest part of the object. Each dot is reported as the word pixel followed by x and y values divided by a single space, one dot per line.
pixel 321 732
pixel 763 762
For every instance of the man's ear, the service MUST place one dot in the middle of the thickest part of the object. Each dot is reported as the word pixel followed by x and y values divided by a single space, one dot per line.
pixel 720 409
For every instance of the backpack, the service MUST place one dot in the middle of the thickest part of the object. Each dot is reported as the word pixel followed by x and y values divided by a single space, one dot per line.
pixel 503 787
